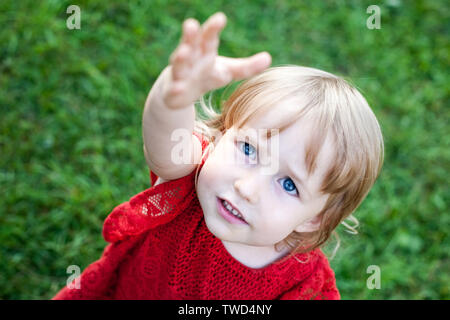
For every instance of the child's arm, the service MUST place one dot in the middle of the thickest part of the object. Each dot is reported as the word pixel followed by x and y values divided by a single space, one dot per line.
pixel 159 121
pixel 195 68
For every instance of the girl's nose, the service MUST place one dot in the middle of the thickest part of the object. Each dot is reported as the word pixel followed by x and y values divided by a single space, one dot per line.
pixel 248 189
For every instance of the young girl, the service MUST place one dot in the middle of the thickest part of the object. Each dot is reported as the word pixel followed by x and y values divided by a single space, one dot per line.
pixel 234 218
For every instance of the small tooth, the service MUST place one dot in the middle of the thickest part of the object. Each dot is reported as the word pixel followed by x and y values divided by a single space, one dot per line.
pixel 230 208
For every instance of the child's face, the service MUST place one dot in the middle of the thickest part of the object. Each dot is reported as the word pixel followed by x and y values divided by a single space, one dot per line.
pixel 268 201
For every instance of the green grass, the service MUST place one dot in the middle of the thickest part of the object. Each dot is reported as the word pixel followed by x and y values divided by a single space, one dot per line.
pixel 70 132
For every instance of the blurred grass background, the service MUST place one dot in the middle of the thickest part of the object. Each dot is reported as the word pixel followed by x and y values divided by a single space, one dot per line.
pixel 70 130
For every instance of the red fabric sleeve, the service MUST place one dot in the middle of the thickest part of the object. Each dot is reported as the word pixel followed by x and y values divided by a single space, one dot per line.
pixel 152 207
pixel 149 209
pixel 320 285
pixel 144 211
pixel 97 281
pixel 123 227
pixel 153 178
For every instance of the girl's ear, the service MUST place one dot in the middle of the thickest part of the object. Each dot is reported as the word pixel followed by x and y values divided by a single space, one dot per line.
pixel 310 225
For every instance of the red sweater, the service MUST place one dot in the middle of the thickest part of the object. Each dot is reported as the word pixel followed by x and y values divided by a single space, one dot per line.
pixel 160 248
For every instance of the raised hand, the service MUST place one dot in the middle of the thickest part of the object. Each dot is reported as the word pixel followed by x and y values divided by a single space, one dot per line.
pixel 196 67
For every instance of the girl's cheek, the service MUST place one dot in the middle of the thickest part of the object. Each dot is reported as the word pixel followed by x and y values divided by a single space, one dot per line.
pixel 210 173
pixel 203 184
pixel 224 158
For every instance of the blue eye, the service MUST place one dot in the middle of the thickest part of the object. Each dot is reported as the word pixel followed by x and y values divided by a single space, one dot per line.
pixel 247 149
pixel 289 186
pixel 250 151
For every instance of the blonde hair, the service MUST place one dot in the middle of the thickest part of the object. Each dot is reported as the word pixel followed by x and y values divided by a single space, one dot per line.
pixel 336 106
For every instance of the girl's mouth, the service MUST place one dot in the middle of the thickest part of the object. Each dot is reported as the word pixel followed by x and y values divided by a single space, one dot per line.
pixel 229 213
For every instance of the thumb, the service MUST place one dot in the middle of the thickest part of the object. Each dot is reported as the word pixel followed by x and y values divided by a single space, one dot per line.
pixel 241 68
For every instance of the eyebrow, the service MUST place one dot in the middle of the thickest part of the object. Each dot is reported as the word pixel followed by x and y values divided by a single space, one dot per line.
pixel 266 136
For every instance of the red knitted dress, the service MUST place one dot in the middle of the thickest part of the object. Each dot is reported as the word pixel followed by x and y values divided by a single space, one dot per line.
pixel 160 248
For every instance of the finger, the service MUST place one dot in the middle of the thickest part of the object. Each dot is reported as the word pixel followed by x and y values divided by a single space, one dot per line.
pixel 210 32
pixel 242 68
pixel 179 54
pixel 191 37
pixel 177 87
pixel 191 31
pixel 179 61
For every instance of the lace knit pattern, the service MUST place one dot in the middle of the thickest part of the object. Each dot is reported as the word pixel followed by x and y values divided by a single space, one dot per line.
pixel 160 248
